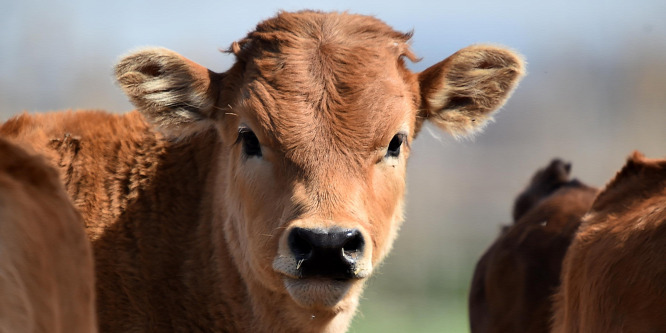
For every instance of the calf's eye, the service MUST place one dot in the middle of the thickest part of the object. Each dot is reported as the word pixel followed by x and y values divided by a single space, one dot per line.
pixel 393 149
pixel 251 146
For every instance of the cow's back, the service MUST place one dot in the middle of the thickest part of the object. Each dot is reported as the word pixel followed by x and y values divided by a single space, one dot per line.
pixel 514 280
pixel 614 274
pixel 46 263
pixel 101 157
pixel 140 197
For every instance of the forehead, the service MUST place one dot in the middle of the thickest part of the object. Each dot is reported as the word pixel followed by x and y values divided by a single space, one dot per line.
pixel 313 77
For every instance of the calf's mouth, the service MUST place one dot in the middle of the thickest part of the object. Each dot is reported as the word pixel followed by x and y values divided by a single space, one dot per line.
pixel 321 265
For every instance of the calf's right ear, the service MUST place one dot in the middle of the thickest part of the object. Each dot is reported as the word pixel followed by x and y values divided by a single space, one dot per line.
pixel 461 93
pixel 171 91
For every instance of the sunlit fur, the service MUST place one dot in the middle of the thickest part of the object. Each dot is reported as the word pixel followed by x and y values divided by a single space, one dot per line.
pixel 614 274
pixel 190 233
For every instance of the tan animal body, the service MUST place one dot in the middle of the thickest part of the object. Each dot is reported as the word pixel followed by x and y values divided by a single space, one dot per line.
pixel 516 277
pixel 614 274
pixel 259 199
pixel 46 262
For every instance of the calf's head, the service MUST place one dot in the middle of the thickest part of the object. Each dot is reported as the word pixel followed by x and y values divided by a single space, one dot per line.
pixel 316 119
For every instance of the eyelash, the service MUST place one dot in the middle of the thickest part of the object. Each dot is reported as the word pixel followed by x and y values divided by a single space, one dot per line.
pixel 249 141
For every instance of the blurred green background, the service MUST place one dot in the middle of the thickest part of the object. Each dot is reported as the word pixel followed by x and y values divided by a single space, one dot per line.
pixel 596 90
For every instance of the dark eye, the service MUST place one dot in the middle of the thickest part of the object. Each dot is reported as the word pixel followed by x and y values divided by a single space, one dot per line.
pixel 248 139
pixel 395 144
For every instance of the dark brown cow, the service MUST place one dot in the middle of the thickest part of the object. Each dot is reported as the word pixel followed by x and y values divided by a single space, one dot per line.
pixel 516 277
pixel 614 274
pixel 46 262
pixel 272 190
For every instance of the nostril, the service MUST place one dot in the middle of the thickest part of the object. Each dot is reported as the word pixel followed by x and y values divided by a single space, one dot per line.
pixel 328 253
pixel 299 243
pixel 353 247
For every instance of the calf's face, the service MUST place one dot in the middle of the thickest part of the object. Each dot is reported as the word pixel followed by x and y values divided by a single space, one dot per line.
pixel 316 123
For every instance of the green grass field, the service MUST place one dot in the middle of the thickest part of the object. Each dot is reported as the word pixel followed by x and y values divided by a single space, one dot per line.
pixel 400 311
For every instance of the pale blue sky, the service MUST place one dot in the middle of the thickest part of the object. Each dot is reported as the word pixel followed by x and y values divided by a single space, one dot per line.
pixel 80 28
pixel 45 44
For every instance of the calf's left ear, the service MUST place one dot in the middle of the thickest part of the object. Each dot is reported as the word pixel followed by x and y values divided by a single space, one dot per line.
pixel 171 91
pixel 461 93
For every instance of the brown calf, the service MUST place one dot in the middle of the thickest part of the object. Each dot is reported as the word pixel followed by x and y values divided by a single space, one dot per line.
pixel 272 190
pixel 516 277
pixel 46 263
pixel 614 274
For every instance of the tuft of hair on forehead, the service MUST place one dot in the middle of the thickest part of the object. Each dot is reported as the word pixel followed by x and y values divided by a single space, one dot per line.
pixel 332 76
pixel 285 28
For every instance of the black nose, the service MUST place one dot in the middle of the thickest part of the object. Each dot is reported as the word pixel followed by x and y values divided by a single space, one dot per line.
pixel 328 253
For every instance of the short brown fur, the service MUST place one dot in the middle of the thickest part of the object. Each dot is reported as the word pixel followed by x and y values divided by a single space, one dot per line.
pixel 614 276
pixel 46 262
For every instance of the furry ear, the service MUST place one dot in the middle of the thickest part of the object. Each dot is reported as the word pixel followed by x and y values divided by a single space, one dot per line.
pixel 461 93
pixel 173 92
